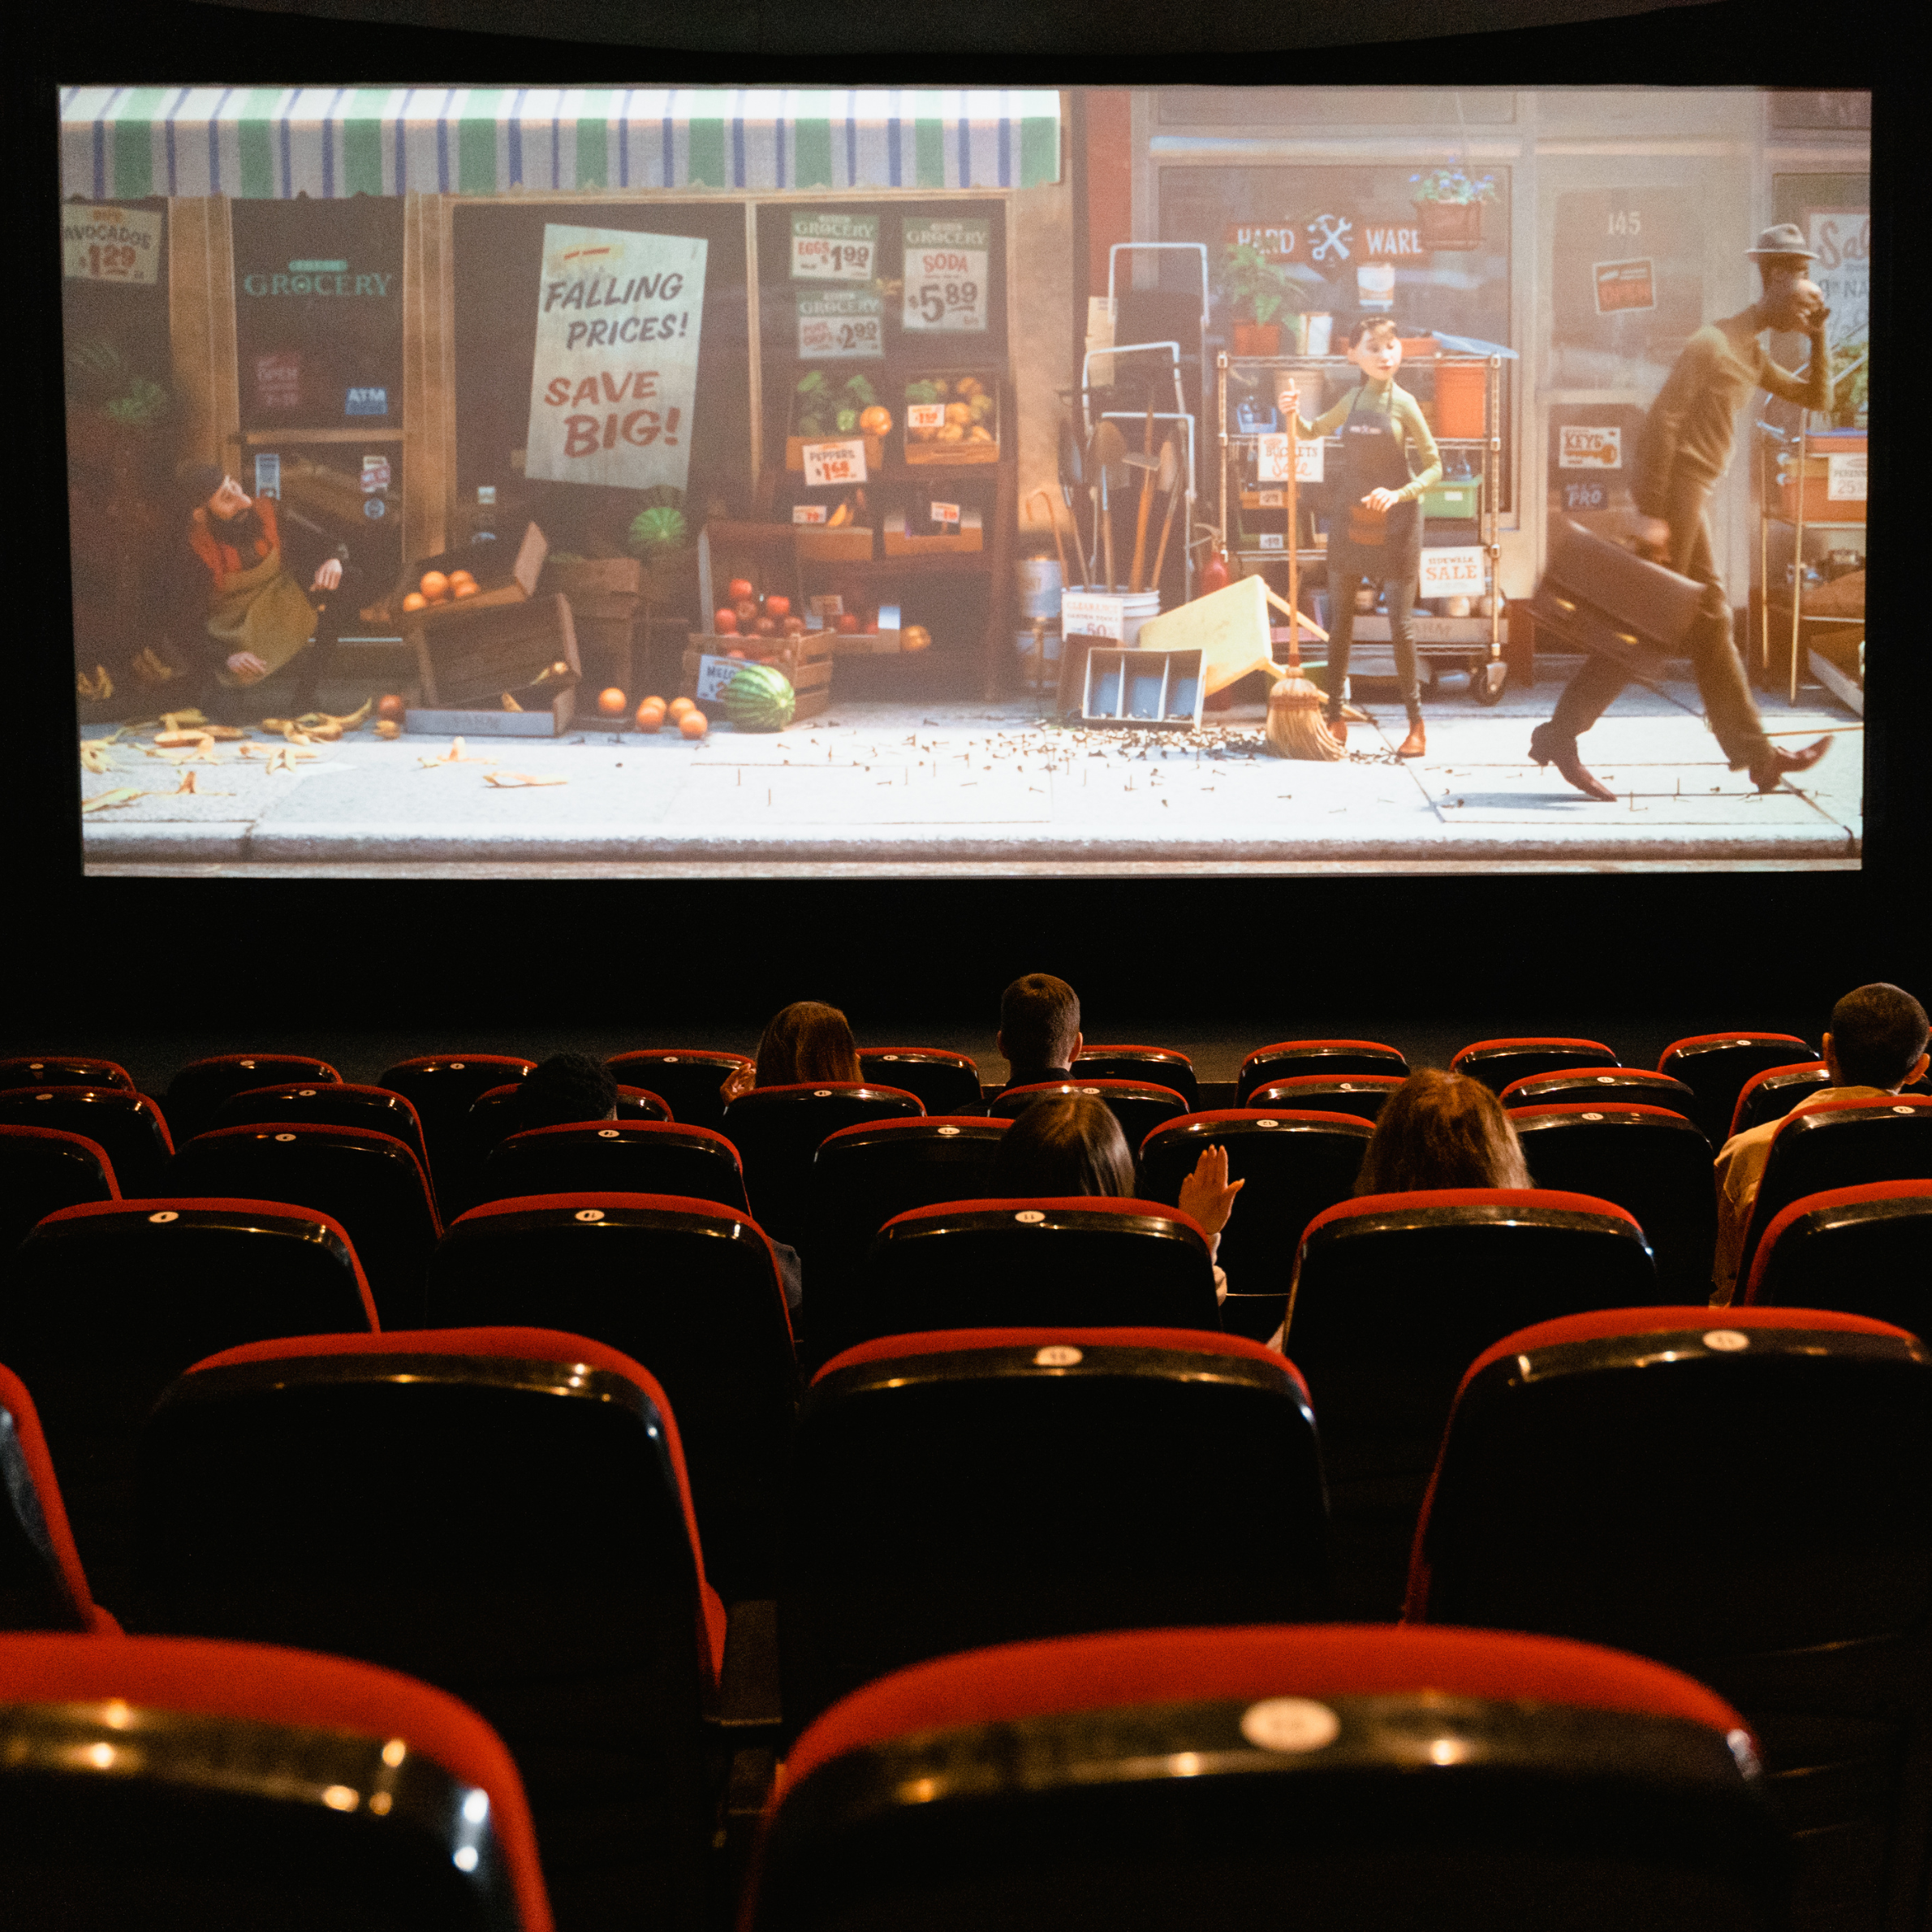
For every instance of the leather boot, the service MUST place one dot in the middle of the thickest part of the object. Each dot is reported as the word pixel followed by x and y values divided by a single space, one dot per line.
pixel 1415 744
pixel 1547 746
pixel 1776 763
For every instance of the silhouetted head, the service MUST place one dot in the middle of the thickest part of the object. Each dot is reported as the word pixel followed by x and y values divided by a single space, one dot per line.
pixel 1067 1145
pixel 1441 1129
pixel 807 1042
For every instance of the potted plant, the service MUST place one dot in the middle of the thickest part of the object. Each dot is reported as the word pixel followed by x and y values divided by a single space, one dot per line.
pixel 1449 206
pixel 1253 283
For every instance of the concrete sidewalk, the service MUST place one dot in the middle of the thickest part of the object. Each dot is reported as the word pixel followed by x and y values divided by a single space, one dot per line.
pixel 967 789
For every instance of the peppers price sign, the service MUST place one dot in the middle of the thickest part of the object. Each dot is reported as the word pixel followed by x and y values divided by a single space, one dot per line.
pixel 841 322
pixel 614 384
pixel 947 262
pixel 829 246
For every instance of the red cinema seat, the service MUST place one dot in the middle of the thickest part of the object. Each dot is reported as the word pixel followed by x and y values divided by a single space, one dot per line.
pixel 42 1585
pixel 513 1525
pixel 195 1094
pixel 1292 1164
pixel 777 1131
pixel 1499 1063
pixel 42 1169
pixel 1362 1094
pixel 1741 1493
pixel 154 1782
pixel 1082 1261
pixel 334 1103
pixel 1862 1251
pixel 985 1486
pixel 1648 1159
pixel 495 1116
pixel 1715 1066
pixel 371 1184
pixel 1594 1084
pixel 128 1127
pixel 1313 1775
pixel 1149 1066
pixel 105 1304
pixel 945 1082
pixel 1316 1059
pixel 63 1070
pixel 689 1080
pixel 1139 1106
pixel 1394 1295
pixel 687 1288
pixel 1772 1094
pixel 442 1088
pixel 616 1156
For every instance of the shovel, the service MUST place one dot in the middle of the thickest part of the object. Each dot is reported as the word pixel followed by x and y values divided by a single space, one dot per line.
pixel 1168 480
pixel 1107 466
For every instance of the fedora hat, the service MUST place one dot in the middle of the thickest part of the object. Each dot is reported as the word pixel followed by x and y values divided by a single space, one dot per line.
pixel 1783 242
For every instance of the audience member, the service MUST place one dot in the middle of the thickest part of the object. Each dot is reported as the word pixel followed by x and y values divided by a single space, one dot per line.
pixel 1441 1129
pixel 804 1041
pixel 566 1089
pixel 1876 1045
pixel 1039 1029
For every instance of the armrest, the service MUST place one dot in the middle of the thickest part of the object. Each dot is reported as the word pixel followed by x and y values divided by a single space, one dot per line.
pixel 748 1701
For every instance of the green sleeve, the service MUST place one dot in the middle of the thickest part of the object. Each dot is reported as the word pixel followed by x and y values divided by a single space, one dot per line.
pixel 1327 422
pixel 1415 426
pixel 1811 391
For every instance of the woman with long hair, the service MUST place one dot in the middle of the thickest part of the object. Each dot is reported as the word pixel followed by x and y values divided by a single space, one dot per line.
pixel 1441 1129
pixel 807 1041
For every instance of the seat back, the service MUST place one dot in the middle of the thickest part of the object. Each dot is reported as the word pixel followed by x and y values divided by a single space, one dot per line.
pixel 1799 1583
pixel 690 1290
pixel 443 1087
pixel 1772 1094
pixel 239 1786
pixel 986 1486
pixel 1839 1143
pixel 1648 1159
pixel 862 1176
pixel 63 1070
pixel 1085 1261
pixel 42 1169
pixel 945 1082
pixel 1313 1059
pixel 615 1157
pixel 1862 1251
pixel 1499 1063
pixel 1362 1094
pixel 196 1092
pixel 687 1079
pixel 1148 1066
pixel 42 1585
pixel 495 1116
pixel 105 1304
pixel 1139 1106
pixel 514 1526
pixel 1292 1164
pixel 336 1103
pixel 128 1127
pixel 777 1131
pixel 371 1184
pixel 1452 1778
pixel 1592 1084
pixel 1716 1066
pixel 1395 1293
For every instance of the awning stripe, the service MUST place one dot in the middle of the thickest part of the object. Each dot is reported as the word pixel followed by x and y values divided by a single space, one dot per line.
pixel 327 142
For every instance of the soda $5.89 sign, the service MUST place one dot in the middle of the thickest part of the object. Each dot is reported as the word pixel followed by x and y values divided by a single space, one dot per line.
pixel 946 273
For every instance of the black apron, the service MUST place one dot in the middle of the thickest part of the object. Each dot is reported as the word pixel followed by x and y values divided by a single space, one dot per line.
pixel 1383 548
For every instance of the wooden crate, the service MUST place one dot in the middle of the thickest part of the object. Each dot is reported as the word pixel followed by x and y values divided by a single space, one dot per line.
pixel 469 663
pixel 807 662
pixel 505 574
pixel 850 543
pixel 900 543
pixel 599 586
pixel 767 553
pixel 950 453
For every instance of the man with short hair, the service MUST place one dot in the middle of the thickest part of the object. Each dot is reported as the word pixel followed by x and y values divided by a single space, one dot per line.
pixel 1039 1029
pixel 1876 1045
pixel 567 1088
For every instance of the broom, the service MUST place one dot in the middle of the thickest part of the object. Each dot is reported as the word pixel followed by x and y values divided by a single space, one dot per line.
pixel 1295 727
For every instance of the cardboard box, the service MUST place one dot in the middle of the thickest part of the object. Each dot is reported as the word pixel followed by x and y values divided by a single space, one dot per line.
pixel 900 543
pixel 469 663
pixel 505 574
pixel 766 554
pixel 850 543
pixel 1820 448
pixel 599 587
pixel 962 452
pixel 807 662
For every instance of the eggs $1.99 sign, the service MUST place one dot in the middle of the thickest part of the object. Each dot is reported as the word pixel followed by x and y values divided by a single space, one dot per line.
pixel 613 388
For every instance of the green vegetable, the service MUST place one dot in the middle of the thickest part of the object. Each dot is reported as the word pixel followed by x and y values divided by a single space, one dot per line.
pixel 810 425
pixel 760 698
pixel 144 405
pixel 660 529
pixel 95 368
pixel 921 392
pixel 810 385
pixel 861 387
pixel 848 421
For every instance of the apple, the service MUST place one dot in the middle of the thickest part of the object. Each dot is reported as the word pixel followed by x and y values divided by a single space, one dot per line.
pixel 724 623
pixel 791 627
pixel 847 624
pixel 739 655
pixel 747 612
pixel 739 590
pixel 766 627
pixel 777 606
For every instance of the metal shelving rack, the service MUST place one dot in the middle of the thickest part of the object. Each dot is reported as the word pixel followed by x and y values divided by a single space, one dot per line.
pixel 1475 642
pixel 1773 445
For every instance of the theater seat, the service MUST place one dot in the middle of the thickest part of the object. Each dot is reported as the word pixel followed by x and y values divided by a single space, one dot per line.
pixel 1083 1261
pixel 1292 1165
pixel 1742 1494
pixel 1863 1251
pixel 1395 1293
pixel 946 1082
pixel 1498 1063
pixel 1594 1084
pixel 1312 1775
pixel 105 1304
pixel 197 1090
pixel 1362 1094
pixel 371 1184
pixel 442 1088
pixel 687 1079
pixel 689 1289
pixel 1150 1065
pixel 1716 1066
pixel 42 1585
pixel 152 1784
pixel 1313 1059
pixel 495 1116
pixel 1772 1094
pixel 988 1485
pixel 616 1156
pixel 1645 1158
pixel 338 1103
pixel 777 1131
pixel 42 1169
pixel 62 1070
pixel 1139 1106
pixel 128 1127
pixel 514 1525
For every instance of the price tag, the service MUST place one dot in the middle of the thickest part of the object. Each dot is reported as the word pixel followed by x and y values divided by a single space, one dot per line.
pixel 1272 540
pixel 1453 572
pixel 947 263
pixel 829 463
pixel 838 322
pixel 926 416
pixel 826 603
pixel 1271 499
pixel 809 513
pixel 829 246
pixel 1084 614
pixel 713 674
pixel 946 513
pixel 1844 479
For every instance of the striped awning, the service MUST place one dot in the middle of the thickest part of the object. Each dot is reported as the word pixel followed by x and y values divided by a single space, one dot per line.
pixel 268 143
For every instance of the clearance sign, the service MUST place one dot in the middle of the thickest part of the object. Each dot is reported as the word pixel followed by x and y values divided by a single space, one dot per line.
pixel 614 386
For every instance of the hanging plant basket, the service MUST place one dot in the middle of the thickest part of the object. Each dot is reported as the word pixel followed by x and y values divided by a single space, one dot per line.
pixel 1451 225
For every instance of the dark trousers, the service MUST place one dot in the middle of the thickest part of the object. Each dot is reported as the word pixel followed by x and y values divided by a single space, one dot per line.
pixel 1399 595
pixel 1728 705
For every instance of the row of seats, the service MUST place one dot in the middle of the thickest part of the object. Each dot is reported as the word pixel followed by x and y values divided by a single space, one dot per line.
pixel 506 1513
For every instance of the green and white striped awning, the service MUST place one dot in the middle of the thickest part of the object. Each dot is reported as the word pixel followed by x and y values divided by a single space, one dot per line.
pixel 124 143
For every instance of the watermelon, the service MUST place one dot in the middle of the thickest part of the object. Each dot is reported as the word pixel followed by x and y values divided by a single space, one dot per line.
pixel 760 698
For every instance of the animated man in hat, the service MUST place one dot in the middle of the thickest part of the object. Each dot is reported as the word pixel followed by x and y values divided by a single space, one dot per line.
pixel 1683 449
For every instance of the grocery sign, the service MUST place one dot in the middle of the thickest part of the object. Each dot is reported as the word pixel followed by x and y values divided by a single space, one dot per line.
pixel 946 264
pixel 829 246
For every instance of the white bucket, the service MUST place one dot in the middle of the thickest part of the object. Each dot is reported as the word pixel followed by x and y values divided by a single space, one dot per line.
pixel 1135 611
pixel 1317 337
pixel 1036 580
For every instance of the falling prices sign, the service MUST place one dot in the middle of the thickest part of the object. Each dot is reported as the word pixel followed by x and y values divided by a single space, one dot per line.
pixel 614 381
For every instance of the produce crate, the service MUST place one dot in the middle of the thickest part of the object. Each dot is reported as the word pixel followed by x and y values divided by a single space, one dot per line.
pixel 604 587
pixel 470 663
pixel 813 415
pixel 1821 448
pixel 505 574
pixel 900 542
pixel 767 553
pixel 806 661
pixel 849 543
pixel 603 643
pixel 938 451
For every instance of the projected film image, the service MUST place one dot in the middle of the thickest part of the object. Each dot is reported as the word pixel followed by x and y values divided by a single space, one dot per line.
pixel 899 482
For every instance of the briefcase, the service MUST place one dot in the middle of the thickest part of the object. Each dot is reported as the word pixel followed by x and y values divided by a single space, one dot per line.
pixel 1599 597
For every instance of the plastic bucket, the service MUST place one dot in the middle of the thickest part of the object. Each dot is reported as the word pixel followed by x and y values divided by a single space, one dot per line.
pixel 1037 581
pixel 1460 394
pixel 1135 611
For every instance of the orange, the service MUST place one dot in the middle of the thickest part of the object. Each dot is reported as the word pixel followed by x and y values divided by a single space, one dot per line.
pixel 434 584
pixel 460 577
pixel 694 723
pixel 415 601
pixel 612 702
pixel 650 714
pixel 680 705
pixel 465 587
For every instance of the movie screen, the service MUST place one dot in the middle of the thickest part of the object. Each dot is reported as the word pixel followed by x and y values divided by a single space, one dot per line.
pixel 928 482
